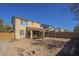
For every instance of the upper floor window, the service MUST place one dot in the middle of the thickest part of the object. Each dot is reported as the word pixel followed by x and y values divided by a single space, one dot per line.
pixel 24 22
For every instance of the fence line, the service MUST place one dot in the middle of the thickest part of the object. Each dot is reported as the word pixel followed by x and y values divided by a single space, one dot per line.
pixel 63 34
pixel 6 35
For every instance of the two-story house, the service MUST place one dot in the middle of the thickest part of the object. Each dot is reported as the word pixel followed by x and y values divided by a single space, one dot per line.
pixel 24 28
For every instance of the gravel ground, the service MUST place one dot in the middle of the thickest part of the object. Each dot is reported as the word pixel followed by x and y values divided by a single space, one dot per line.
pixel 28 47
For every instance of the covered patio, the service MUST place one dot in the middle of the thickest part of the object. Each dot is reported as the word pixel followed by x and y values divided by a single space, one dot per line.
pixel 35 33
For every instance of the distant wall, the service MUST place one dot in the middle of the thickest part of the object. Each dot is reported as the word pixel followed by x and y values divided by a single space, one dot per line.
pixel 63 34
pixel 6 35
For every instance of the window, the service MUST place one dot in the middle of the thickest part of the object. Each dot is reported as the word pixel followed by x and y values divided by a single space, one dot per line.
pixel 21 32
pixel 24 22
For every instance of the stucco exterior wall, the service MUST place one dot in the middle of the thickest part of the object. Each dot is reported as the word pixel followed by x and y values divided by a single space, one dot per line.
pixel 18 27
pixel 33 24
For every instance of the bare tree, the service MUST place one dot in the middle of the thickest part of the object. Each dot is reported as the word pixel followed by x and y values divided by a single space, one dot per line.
pixel 74 8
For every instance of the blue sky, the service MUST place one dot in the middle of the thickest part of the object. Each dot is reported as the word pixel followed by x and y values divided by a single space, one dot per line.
pixel 51 14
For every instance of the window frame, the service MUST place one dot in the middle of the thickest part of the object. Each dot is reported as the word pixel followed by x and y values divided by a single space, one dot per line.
pixel 23 22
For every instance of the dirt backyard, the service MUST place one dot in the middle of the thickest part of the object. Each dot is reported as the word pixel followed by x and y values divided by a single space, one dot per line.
pixel 28 47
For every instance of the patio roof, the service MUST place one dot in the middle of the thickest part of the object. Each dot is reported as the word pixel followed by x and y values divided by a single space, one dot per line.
pixel 34 28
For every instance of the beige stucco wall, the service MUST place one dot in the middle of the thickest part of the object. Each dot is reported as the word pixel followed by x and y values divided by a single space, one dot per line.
pixel 18 27
pixel 33 24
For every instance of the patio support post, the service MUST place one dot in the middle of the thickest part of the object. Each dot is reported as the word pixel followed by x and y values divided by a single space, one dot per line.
pixel 31 34
pixel 43 34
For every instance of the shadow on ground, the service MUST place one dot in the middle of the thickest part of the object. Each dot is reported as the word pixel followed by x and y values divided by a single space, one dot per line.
pixel 71 48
